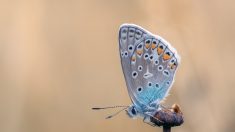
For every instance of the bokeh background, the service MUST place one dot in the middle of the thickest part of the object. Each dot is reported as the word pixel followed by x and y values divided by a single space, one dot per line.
pixel 59 58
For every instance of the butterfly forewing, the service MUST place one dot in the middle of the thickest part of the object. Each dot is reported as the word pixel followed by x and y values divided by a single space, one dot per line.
pixel 149 64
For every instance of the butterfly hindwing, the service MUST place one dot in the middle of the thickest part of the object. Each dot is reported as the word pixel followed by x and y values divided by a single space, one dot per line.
pixel 149 64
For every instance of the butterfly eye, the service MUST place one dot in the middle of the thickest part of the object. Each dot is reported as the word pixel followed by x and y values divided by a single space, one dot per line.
pixel 160 49
pixel 133 111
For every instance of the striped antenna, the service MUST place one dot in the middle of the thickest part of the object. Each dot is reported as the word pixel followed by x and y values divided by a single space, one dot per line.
pixel 117 106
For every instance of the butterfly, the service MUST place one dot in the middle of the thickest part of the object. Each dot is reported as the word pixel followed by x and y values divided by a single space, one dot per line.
pixel 149 64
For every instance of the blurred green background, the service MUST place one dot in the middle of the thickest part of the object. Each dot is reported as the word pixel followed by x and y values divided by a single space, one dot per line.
pixel 59 58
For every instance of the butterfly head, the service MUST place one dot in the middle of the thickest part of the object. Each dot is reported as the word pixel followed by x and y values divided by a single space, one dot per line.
pixel 132 112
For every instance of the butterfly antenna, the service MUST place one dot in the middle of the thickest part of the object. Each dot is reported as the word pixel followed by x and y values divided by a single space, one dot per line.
pixel 110 116
pixel 117 106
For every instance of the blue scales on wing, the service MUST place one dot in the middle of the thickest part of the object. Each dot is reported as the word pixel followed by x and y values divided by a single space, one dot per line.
pixel 149 64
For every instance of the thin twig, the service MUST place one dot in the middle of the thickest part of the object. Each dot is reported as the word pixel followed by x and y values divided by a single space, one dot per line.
pixel 166 129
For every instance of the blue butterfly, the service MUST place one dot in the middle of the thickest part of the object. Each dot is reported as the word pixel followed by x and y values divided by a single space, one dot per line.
pixel 149 64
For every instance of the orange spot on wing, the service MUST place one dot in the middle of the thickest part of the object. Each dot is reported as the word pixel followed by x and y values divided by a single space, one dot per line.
pixel 173 66
pixel 139 52
pixel 159 50
pixel 147 45
pixel 133 58
pixel 153 46
pixel 166 57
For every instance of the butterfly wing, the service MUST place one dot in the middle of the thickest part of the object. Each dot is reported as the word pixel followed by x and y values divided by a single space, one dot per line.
pixel 149 64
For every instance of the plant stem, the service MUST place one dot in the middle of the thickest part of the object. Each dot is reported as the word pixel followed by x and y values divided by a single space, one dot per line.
pixel 166 129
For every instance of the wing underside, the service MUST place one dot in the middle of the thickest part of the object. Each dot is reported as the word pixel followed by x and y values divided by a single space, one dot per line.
pixel 149 64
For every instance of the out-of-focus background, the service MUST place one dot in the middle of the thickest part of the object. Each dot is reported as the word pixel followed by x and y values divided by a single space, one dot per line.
pixel 59 58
